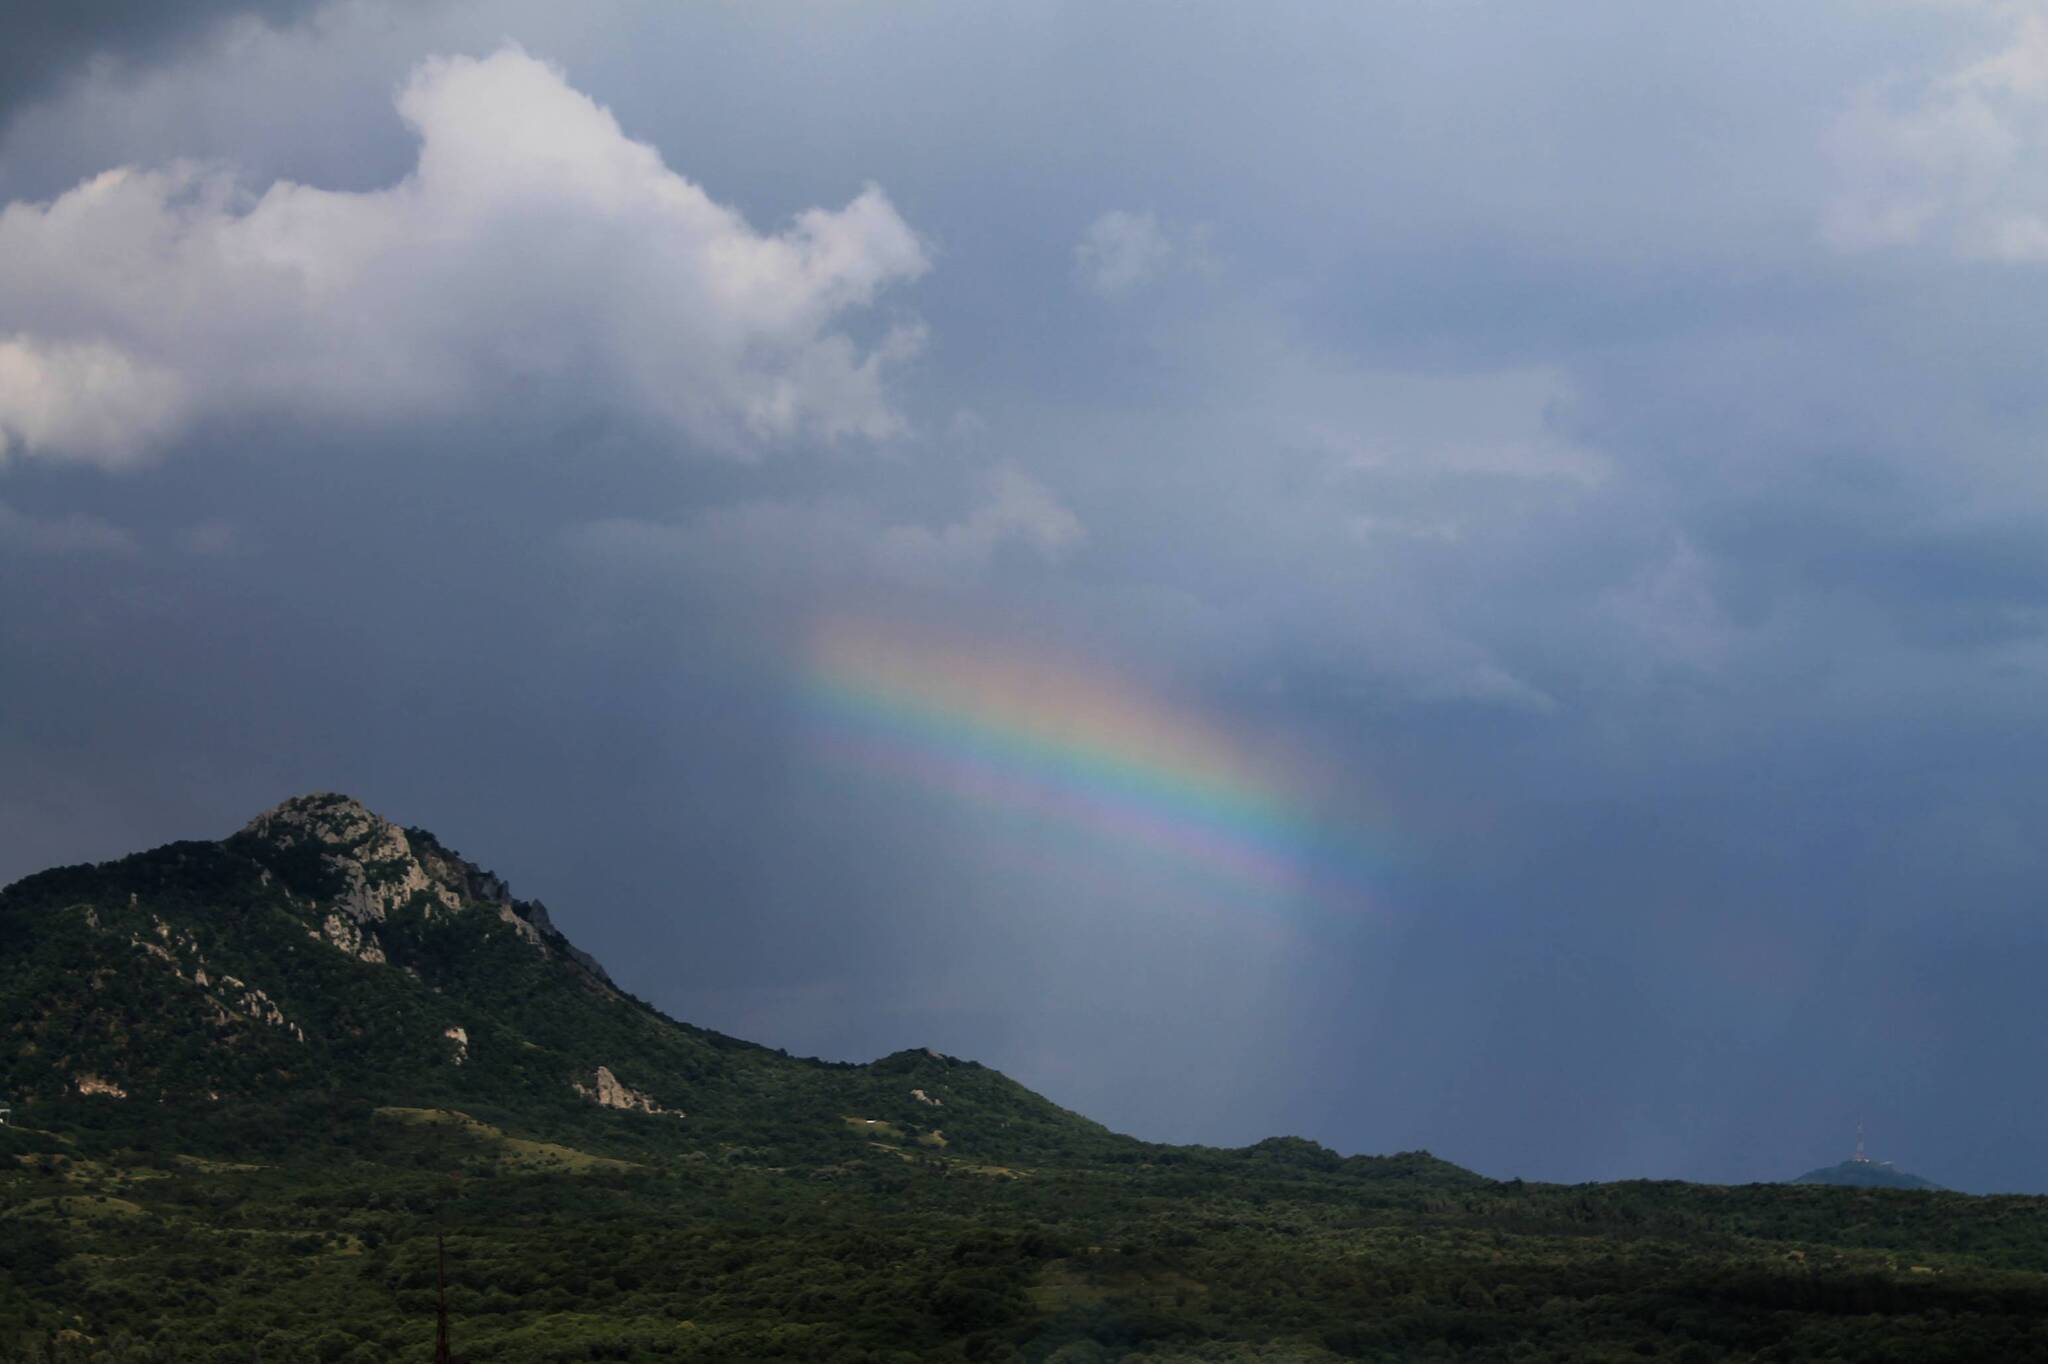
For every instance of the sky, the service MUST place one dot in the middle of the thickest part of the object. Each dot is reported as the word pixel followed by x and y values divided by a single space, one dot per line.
pixel 1467 576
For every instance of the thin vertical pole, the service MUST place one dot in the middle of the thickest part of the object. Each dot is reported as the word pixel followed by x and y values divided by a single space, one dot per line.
pixel 441 1355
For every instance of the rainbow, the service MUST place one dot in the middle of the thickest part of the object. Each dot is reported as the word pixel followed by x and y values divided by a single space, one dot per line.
pixel 1069 747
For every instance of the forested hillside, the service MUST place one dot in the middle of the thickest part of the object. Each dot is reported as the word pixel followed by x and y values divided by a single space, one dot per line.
pixel 255 1080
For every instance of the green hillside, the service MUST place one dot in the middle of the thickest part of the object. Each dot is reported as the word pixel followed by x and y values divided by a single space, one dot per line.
pixel 254 1080
pixel 323 948
pixel 1866 1174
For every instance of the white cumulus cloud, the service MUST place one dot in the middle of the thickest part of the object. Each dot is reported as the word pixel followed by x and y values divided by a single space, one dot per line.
pixel 534 244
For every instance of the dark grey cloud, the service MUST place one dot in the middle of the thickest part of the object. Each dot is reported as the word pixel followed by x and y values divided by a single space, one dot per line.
pixel 1495 422
pixel 49 41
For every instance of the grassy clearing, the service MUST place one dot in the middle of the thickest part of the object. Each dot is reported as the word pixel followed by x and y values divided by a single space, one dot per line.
pixel 876 1127
pixel 214 1167
pixel 514 1152
pixel 91 1173
pixel 72 1207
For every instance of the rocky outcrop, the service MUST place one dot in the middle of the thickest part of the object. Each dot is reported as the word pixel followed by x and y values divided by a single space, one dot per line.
pixel 460 1038
pixel 228 999
pixel 349 936
pixel 245 999
pixel 93 1084
pixel 607 1091
pixel 372 856
pixel 378 868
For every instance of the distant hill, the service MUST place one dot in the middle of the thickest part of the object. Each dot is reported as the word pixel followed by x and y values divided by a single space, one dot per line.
pixel 1866 1174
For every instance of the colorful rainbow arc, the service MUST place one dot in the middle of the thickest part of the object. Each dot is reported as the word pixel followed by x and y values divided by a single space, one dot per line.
pixel 1070 747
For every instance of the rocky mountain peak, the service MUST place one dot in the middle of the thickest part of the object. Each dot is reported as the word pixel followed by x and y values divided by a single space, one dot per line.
pixel 324 817
pixel 376 864
pixel 374 867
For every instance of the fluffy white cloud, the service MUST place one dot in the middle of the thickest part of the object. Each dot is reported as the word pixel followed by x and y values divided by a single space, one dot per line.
pixel 533 244
pixel 87 399
pixel 1958 159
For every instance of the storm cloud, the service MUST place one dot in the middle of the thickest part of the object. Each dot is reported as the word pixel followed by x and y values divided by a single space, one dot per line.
pixel 48 41
pixel 1588 468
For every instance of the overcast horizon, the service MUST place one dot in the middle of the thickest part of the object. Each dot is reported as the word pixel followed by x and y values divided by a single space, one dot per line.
pixel 1424 575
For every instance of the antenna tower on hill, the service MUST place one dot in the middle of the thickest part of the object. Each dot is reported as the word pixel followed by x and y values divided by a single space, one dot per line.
pixel 1859 1157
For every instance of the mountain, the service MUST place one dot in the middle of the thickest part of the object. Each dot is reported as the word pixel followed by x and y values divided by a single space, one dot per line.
pixel 1866 1174
pixel 324 948
pixel 265 1088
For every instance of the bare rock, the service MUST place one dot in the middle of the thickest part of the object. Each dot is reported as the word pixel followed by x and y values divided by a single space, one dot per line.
pixel 607 1091
pixel 382 868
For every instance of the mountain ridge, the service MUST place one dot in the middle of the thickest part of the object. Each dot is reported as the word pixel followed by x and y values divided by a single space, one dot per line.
pixel 324 947
pixel 269 1090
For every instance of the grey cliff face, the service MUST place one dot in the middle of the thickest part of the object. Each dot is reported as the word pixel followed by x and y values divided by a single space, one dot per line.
pixel 381 867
